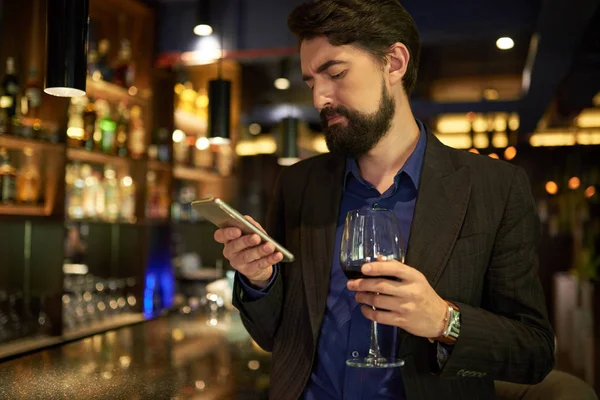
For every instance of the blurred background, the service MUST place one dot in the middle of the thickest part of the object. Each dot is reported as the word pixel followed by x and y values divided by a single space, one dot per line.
pixel 186 99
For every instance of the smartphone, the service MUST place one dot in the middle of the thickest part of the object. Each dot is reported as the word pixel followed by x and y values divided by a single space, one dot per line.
pixel 224 216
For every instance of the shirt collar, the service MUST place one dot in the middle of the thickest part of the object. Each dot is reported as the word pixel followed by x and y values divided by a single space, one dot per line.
pixel 412 166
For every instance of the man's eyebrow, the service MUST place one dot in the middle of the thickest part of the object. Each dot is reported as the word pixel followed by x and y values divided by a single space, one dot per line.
pixel 324 67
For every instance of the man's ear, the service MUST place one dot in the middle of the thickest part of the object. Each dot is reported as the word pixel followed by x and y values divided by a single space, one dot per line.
pixel 398 58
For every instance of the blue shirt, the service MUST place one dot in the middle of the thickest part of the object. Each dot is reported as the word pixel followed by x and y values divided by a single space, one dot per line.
pixel 345 332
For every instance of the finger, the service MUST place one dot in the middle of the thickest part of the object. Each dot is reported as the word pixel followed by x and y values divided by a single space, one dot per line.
pixel 256 224
pixel 383 302
pixel 236 246
pixel 252 254
pixel 264 262
pixel 225 235
pixel 375 285
pixel 383 317
pixel 392 268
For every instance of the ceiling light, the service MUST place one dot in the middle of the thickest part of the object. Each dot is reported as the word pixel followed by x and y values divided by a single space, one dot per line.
pixel 203 30
pixel 505 43
pixel 282 83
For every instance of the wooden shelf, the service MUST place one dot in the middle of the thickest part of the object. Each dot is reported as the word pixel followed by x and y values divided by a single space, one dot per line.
pixel 156 165
pixel 94 157
pixel 26 345
pixel 114 93
pixel 196 174
pixel 24 210
pixel 111 323
pixel 189 123
pixel 19 143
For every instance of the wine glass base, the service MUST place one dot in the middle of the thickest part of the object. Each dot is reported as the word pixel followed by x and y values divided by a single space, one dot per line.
pixel 374 362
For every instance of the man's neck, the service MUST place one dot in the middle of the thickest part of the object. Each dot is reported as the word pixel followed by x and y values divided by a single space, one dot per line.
pixel 380 165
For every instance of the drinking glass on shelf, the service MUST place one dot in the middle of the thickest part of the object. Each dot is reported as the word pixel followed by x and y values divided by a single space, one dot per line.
pixel 370 235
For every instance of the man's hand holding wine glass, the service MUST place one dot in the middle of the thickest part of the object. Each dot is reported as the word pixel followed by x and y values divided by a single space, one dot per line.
pixel 409 303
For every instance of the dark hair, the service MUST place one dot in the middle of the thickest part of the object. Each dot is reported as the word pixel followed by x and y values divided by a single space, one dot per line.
pixel 372 25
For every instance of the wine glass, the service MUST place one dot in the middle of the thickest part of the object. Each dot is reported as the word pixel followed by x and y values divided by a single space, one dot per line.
pixel 370 235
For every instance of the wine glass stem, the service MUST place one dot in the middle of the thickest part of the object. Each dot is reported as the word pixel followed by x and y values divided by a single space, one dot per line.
pixel 374 352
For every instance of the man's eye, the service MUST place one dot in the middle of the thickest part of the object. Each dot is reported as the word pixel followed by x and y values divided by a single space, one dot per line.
pixel 340 75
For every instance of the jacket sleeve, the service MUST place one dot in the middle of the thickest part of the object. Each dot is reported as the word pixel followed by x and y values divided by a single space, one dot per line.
pixel 509 338
pixel 261 316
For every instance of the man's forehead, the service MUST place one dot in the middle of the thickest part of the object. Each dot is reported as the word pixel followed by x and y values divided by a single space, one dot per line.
pixel 314 53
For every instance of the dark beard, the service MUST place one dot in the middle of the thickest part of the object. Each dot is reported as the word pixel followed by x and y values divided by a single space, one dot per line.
pixel 362 131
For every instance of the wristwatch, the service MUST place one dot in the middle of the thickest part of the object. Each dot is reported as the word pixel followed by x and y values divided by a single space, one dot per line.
pixel 452 330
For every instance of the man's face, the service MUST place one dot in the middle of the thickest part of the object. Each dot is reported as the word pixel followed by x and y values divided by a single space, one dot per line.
pixel 349 92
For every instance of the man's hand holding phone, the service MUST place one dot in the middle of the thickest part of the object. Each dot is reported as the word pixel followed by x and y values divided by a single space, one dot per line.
pixel 248 255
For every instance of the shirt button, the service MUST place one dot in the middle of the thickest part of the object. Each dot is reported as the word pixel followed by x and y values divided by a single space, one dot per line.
pixel 355 354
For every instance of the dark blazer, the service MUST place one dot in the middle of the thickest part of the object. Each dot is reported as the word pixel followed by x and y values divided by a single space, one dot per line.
pixel 474 236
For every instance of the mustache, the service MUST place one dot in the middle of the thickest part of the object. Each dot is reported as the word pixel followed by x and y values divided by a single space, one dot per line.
pixel 330 112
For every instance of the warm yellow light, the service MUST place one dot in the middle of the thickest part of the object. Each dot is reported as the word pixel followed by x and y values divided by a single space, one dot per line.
pixel 551 187
pixel 510 153
pixel 255 129
pixel 552 139
pixel 514 122
pixel 179 88
pixel 457 140
pixel 202 143
pixel 282 83
pixel 473 150
pixel 203 30
pixel 596 100
pixel 202 101
pixel 500 123
pixel 453 123
pixel 588 118
pixel 479 124
pixel 491 94
pixel 178 136
pixel 499 140
pixel 320 145
pixel 505 43
pixel 261 145
pixel 590 192
pixel 133 91
pixel 574 183
pixel 494 156
pixel 481 140
pixel 588 138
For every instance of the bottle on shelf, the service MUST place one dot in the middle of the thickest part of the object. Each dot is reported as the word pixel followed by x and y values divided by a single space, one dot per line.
pixel 108 127
pixel 122 130
pixel 111 190
pixel 31 102
pixel 10 85
pixel 75 185
pixel 89 125
pixel 137 133
pixel 17 119
pixel 8 176
pixel 127 199
pixel 29 182
pixel 124 72
pixel 106 72
pixel 100 195
pixel 163 142
pixel 75 124
pixel 88 196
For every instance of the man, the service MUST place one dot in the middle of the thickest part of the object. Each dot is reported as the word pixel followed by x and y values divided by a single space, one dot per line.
pixel 467 308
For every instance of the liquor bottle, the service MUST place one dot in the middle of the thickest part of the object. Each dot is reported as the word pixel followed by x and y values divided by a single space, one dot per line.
pixel 111 190
pixel 153 203
pixel 122 130
pixel 89 125
pixel 108 127
pixel 17 119
pixel 124 74
pixel 163 141
pixel 88 197
pixel 75 185
pixel 28 179
pixel 30 105
pixel 75 125
pixel 7 176
pixel 100 195
pixel 10 84
pixel 4 118
pixel 103 65
pixel 127 199
pixel 137 133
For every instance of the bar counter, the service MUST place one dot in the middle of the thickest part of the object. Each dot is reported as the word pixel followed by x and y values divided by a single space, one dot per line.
pixel 172 357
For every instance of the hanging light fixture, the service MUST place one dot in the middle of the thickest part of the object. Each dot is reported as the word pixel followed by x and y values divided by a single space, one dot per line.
pixel 283 82
pixel 203 27
pixel 288 154
pixel 219 110
pixel 67 24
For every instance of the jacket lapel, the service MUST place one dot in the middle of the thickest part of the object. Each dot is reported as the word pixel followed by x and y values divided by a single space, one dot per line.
pixel 320 209
pixel 439 212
